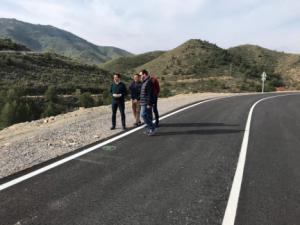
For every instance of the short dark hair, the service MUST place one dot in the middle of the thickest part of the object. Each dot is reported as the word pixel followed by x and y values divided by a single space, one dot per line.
pixel 117 74
pixel 144 72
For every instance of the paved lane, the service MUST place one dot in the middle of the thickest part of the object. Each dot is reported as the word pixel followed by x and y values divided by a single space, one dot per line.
pixel 182 175
pixel 271 185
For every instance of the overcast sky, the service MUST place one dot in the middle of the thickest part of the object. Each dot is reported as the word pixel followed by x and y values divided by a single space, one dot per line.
pixel 139 25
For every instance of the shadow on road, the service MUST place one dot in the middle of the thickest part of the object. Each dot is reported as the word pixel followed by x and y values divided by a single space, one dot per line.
pixel 206 129
pixel 197 125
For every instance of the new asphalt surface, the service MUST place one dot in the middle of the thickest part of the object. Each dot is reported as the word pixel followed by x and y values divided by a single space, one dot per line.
pixel 270 192
pixel 182 175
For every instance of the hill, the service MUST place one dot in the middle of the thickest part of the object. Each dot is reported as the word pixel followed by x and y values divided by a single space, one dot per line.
pixel 193 58
pixel 36 85
pixel 285 65
pixel 9 45
pixel 198 65
pixel 48 38
pixel 34 72
pixel 128 64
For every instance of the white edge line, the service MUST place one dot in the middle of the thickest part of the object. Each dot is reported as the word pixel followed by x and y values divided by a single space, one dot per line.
pixel 231 208
pixel 83 152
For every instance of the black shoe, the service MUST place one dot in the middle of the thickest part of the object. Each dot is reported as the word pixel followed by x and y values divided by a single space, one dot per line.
pixel 112 128
pixel 124 128
pixel 156 125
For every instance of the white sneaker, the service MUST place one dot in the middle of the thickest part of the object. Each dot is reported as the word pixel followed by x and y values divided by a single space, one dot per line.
pixel 152 132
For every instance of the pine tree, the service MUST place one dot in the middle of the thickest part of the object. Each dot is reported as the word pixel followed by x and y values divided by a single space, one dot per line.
pixel 50 109
pixel 15 108
pixel 51 98
pixel 8 114
pixel 86 100
pixel 23 112
pixel 51 94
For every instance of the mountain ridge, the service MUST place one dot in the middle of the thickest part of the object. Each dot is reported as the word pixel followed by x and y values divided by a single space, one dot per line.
pixel 198 65
pixel 50 38
pixel 129 63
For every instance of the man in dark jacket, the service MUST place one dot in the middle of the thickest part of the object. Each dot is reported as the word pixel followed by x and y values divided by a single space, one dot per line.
pixel 135 90
pixel 118 91
pixel 146 101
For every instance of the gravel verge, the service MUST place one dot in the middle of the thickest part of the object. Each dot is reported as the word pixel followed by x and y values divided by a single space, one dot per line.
pixel 27 144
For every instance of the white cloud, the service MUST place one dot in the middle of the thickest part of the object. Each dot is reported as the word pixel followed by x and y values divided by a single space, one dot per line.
pixel 140 26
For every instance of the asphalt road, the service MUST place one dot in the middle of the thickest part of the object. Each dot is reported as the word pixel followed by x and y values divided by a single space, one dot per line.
pixel 270 192
pixel 182 175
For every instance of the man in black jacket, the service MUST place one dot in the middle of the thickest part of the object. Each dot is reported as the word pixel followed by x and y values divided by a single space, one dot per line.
pixel 147 101
pixel 118 91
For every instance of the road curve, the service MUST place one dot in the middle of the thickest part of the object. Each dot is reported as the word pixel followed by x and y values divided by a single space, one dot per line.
pixel 182 175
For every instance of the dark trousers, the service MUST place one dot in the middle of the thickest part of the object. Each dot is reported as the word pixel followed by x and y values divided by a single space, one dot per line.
pixel 155 111
pixel 115 105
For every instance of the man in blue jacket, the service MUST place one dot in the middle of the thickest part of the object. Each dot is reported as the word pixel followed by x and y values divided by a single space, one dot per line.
pixel 118 91
pixel 147 101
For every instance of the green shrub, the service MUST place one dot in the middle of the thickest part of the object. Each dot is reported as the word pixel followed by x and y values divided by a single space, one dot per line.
pixel 8 115
pixel 86 100
pixel 51 94
pixel 106 99
pixel 50 109
pixel 165 92
pixel 15 108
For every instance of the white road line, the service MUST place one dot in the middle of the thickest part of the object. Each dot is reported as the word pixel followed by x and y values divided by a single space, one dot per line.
pixel 231 208
pixel 83 152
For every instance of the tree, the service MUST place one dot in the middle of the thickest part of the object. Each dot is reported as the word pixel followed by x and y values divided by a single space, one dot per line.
pixel 8 115
pixel 15 108
pixel 86 100
pixel 165 92
pixel 23 111
pixel 51 99
pixel 51 95
pixel 2 98
pixel 106 97
pixel 50 110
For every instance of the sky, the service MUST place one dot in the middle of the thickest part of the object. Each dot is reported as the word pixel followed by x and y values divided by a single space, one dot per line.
pixel 140 26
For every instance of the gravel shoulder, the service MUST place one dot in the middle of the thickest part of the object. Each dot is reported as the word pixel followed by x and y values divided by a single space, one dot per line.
pixel 27 144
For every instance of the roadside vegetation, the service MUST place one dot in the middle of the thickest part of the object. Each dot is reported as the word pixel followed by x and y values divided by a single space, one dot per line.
pixel 37 85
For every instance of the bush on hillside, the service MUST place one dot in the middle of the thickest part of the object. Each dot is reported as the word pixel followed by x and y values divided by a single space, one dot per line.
pixel 86 100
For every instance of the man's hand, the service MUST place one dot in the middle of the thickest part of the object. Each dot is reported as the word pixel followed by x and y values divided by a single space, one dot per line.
pixel 117 95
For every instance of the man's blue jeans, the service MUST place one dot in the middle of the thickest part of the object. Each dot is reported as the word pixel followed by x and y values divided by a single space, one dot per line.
pixel 146 114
